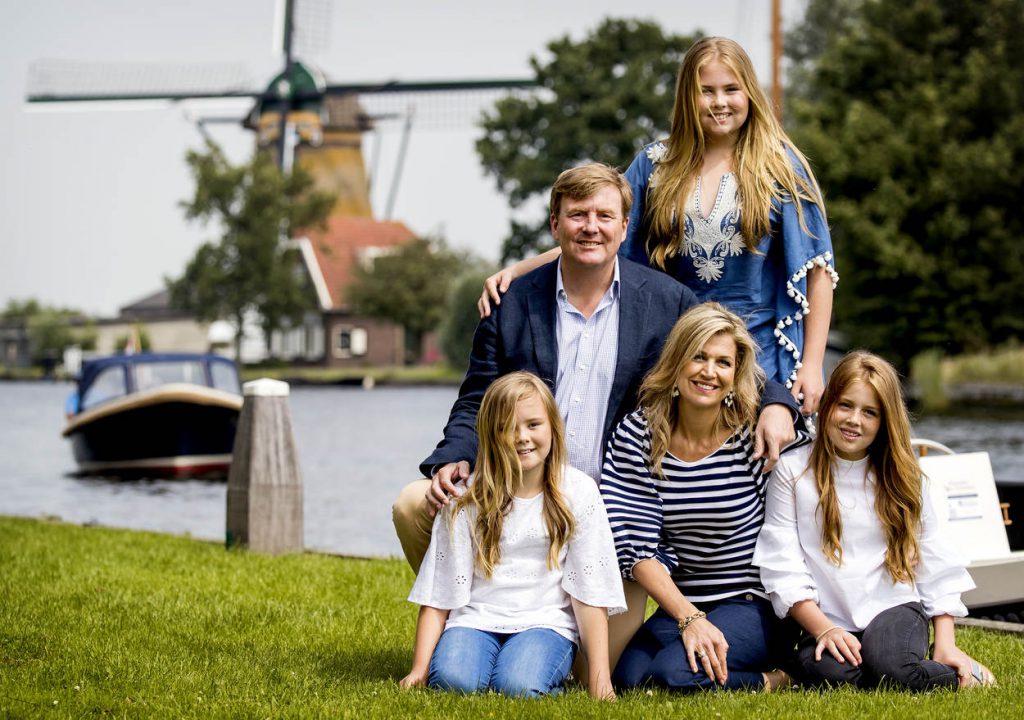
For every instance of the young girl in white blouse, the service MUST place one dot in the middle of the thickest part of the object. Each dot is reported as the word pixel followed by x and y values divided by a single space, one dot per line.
pixel 521 568
pixel 851 547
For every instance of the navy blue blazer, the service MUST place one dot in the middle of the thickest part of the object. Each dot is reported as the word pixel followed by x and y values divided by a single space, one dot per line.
pixel 520 335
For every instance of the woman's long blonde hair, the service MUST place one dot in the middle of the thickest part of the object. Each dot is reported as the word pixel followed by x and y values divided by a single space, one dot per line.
pixel 898 498
pixel 499 473
pixel 764 172
pixel 687 339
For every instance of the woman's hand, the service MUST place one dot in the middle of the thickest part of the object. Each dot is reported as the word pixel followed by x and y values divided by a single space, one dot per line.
pixel 415 678
pixel 808 387
pixel 494 287
pixel 843 646
pixel 705 644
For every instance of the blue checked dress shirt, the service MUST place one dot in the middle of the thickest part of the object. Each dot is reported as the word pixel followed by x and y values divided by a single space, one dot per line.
pixel 587 351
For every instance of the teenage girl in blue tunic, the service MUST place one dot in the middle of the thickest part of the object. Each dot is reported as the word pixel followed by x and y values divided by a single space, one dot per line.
pixel 729 206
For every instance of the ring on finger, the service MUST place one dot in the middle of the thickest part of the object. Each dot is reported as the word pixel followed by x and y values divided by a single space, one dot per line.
pixel 700 654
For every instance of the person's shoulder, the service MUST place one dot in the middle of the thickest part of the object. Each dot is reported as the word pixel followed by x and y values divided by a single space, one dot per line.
pixel 634 272
pixel 656 151
pixel 515 298
pixel 634 425
pixel 796 160
pixel 577 484
pixel 541 277
pixel 793 463
pixel 660 285
pixel 646 159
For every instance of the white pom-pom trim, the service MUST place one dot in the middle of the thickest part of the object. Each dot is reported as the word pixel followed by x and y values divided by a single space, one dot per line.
pixel 805 307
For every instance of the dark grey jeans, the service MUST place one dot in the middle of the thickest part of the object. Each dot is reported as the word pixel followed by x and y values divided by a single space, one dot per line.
pixel 894 648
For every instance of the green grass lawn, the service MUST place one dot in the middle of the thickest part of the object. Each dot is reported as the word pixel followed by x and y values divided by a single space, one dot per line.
pixel 97 622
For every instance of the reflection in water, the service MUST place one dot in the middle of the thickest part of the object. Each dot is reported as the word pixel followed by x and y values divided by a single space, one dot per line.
pixel 356 450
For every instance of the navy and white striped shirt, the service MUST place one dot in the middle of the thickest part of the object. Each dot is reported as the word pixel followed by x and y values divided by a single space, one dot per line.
pixel 701 520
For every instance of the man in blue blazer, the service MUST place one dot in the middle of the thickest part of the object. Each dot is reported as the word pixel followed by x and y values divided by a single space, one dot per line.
pixel 590 326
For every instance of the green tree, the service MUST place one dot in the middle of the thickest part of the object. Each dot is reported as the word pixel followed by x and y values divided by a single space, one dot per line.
pixel 251 268
pixel 913 114
pixel 51 329
pixel 457 328
pixel 409 286
pixel 602 98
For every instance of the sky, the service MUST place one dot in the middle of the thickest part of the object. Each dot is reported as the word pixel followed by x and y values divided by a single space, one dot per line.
pixel 90 214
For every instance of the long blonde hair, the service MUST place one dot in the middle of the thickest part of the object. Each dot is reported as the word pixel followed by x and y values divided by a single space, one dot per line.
pixel 688 337
pixel 764 172
pixel 499 474
pixel 898 498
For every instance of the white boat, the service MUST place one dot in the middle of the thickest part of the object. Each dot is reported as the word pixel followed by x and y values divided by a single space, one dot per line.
pixel 963 490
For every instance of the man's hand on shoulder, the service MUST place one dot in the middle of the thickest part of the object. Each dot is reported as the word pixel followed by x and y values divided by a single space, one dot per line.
pixel 774 432
pixel 442 485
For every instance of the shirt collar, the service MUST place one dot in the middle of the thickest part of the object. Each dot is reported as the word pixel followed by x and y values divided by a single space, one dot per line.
pixel 612 292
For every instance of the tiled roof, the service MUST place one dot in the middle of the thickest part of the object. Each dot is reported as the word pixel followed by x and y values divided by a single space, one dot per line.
pixel 339 246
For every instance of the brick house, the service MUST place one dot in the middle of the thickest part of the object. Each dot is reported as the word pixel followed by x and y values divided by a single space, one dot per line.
pixel 337 337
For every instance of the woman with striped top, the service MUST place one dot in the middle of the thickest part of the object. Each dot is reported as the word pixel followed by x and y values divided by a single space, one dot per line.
pixel 685 499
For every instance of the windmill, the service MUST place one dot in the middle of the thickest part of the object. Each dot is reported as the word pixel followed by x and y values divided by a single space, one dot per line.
pixel 298 116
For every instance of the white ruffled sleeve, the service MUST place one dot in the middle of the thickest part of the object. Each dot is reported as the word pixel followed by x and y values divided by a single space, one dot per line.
pixel 784 572
pixel 446 574
pixel 591 573
pixel 941 575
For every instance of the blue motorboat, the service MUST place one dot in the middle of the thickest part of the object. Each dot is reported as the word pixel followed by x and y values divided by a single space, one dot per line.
pixel 155 414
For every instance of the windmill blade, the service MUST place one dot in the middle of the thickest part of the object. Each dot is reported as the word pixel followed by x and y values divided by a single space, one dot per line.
pixel 61 81
pixel 310 27
pixel 398 86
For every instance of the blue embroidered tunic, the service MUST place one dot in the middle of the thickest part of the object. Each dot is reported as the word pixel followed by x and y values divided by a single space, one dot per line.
pixel 768 288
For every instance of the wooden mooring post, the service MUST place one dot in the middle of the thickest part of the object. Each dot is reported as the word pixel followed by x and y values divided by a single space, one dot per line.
pixel 264 505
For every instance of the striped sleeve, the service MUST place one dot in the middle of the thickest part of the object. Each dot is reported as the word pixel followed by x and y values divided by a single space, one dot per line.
pixel 631 498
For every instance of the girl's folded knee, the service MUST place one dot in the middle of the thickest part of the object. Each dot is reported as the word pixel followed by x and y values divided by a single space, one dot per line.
pixel 461 682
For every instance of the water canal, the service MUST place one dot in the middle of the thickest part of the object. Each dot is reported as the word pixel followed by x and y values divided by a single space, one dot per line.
pixel 357 448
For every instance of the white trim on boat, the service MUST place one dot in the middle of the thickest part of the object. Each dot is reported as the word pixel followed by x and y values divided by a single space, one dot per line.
pixel 173 392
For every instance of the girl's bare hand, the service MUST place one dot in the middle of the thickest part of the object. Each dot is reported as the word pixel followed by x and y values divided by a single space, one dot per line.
pixel 415 678
pixel 843 646
pixel 494 287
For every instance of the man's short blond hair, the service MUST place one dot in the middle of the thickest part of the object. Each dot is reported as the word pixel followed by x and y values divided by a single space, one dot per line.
pixel 581 182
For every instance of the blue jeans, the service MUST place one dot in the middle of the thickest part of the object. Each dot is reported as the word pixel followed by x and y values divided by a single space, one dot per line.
pixel 525 664
pixel 893 652
pixel 656 656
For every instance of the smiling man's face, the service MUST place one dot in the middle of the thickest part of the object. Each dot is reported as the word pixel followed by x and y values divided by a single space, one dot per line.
pixel 590 230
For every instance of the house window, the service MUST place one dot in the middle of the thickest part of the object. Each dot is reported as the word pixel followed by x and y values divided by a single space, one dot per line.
pixel 349 342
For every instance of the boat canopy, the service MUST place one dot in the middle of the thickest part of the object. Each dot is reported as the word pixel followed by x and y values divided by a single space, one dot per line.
pixel 144 370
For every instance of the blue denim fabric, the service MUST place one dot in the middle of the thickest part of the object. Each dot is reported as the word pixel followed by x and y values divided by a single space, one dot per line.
pixel 526 664
pixel 893 649
pixel 655 655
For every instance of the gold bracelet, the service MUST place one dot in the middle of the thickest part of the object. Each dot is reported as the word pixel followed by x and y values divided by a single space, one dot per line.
pixel 826 631
pixel 686 621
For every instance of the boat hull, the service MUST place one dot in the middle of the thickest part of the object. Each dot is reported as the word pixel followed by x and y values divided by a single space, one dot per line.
pixel 170 431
